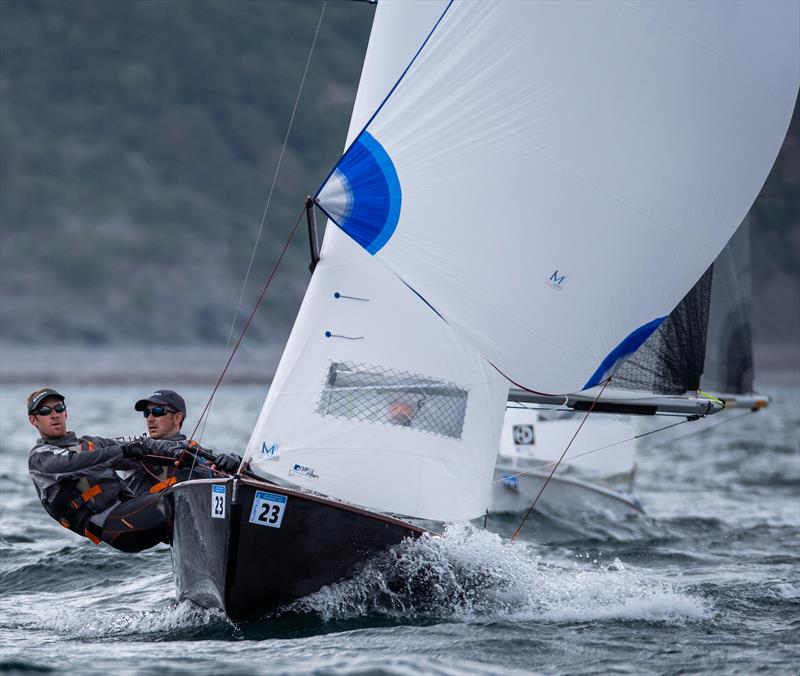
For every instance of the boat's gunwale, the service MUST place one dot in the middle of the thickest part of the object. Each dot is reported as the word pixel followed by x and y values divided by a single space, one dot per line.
pixel 332 502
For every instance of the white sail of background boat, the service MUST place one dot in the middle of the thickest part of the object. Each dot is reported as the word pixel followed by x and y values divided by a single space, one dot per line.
pixel 578 145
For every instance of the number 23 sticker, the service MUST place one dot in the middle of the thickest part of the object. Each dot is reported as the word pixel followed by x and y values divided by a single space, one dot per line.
pixel 218 501
pixel 268 509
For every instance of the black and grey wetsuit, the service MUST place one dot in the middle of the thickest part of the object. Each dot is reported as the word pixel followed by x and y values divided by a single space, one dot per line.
pixel 81 481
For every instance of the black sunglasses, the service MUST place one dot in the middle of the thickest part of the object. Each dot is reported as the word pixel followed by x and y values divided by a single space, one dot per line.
pixel 157 411
pixel 47 410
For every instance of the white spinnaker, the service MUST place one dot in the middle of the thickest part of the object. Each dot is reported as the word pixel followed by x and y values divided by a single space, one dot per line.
pixel 397 445
pixel 569 170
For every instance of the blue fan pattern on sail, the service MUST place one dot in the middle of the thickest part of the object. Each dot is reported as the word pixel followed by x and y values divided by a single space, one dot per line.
pixel 628 346
pixel 369 209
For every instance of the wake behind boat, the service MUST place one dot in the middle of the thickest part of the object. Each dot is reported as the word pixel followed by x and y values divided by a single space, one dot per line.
pixel 391 391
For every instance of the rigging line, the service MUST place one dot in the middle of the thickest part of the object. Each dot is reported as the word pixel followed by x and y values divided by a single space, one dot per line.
pixel 705 429
pixel 152 474
pixel 639 436
pixel 205 422
pixel 516 384
pixel 275 177
pixel 249 321
pixel 553 471
pixel 595 450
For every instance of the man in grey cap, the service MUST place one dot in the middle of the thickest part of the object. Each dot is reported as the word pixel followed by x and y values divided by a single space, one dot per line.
pixel 164 411
pixel 93 485
pixel 103 488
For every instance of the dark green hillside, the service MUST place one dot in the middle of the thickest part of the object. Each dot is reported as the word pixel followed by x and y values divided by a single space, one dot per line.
pixel 139 140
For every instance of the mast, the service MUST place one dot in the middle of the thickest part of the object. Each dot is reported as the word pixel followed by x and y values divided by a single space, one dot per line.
pixel 311 221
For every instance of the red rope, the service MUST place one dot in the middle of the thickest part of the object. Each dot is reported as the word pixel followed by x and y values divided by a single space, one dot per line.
pixel 247 324
pixel 520 386
pixel 152 474
pixel 553 471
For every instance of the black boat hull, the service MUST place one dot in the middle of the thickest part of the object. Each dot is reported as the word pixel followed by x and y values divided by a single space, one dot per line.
pixel 248 547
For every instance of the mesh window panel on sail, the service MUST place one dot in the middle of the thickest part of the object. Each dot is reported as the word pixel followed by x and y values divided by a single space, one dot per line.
pixel 384 396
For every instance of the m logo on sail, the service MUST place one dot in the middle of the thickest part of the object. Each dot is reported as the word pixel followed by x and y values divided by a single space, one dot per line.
pixel 557 279
pixel 269 452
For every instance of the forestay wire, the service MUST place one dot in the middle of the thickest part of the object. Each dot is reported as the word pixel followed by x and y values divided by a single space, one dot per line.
pixel 275 176
pixel 269 200
pixel 250 319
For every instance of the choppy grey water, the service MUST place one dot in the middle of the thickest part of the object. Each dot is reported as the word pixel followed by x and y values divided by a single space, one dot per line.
pixel 708 581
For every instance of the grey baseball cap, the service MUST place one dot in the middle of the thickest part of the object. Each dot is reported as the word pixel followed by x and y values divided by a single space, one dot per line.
pixel 37 397
pixel 165 398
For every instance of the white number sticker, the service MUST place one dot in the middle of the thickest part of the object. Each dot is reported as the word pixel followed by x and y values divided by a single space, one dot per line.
pixel 217 501
pixel 268 509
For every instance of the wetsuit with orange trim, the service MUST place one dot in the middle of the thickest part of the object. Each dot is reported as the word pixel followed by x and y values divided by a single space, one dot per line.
pixel 83 482
pixel 158 477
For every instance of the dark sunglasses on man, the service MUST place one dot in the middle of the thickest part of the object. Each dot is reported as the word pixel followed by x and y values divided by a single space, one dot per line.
pixel 157 411
pixel 47 410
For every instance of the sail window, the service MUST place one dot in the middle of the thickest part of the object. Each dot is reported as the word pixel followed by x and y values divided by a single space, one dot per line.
pixel 390 397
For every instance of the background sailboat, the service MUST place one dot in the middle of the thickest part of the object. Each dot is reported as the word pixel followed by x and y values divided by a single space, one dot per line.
pixel 392 389
pixel 596 475
pixel 704 345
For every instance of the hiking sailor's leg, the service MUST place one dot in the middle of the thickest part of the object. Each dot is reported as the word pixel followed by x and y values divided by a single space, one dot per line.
pixel 136 524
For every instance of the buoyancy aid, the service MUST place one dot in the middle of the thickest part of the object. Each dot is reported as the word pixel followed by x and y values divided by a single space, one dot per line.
pixel 72 495
pixel 74 504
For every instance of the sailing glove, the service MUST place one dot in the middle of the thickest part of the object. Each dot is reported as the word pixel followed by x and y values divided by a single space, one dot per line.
pixel 133 449
pixel 228 462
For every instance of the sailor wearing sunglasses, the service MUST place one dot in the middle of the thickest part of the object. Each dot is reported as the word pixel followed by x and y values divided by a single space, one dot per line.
pixel 95 486
pixel 164 412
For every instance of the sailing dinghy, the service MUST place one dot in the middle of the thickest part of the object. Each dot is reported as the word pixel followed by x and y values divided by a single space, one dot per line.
pixel 491 143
